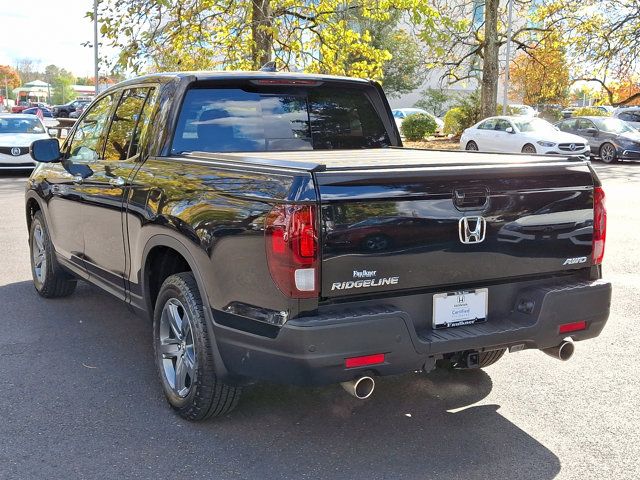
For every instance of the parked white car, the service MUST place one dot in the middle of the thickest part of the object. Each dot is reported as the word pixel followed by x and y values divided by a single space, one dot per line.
pixel 399 114
pixel 17 132
pixel 521 135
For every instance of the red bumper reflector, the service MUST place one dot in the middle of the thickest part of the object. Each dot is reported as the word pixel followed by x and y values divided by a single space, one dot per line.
pixel 365 360
pixel 573 327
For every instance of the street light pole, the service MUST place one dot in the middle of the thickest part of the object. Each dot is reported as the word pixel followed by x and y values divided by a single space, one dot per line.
pixel 95 41
pixel 505 98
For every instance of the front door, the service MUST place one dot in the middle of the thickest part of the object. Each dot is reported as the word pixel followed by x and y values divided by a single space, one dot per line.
pixel 104 246
pixel 65 181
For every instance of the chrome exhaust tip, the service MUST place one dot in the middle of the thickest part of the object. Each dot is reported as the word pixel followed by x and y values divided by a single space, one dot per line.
pixel 360 388
pixel 563 352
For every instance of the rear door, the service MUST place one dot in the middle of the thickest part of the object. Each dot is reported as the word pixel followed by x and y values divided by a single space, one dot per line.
pixel 408 228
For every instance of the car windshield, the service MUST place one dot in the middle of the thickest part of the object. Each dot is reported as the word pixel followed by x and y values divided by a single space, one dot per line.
pixel 613 125
pixel 534 125
pixel 20 125
pixel 237 120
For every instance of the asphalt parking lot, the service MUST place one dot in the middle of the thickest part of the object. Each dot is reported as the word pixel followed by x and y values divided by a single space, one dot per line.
pixel 80 397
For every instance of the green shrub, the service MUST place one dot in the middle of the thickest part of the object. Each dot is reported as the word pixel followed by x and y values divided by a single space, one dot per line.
pixel 454 121
pixel 589 112
pixel 418 125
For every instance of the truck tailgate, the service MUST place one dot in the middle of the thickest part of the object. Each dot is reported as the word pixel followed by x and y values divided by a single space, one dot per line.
pixel 392 227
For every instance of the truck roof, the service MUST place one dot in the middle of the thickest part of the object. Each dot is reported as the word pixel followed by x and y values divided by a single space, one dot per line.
pixel 244 75
pixel 378 158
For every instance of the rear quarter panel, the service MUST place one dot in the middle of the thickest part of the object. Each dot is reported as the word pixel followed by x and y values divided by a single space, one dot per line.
pixel 218 215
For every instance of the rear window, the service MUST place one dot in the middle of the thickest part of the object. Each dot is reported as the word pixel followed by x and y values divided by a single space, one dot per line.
pixel 237 120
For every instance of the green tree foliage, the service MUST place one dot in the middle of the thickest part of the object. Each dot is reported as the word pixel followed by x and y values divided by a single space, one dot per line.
pixel 320 36
pixel 589 112
pixel 417 126
pixel 404 71
pixel 434 100
pixel 465 113
pixel 61 81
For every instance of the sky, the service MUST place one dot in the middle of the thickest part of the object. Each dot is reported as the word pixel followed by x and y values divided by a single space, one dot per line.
pixel 49 32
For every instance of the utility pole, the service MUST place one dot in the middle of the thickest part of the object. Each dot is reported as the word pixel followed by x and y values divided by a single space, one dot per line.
pixel 95 42
pixel 6 92
pixel 505 98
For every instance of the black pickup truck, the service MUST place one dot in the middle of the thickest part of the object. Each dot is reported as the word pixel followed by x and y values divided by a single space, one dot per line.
pixel 274 229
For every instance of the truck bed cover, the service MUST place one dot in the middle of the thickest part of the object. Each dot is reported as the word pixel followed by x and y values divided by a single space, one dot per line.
pixel 379 158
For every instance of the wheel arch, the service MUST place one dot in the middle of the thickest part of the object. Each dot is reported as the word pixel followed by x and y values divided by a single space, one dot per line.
pixel 164 243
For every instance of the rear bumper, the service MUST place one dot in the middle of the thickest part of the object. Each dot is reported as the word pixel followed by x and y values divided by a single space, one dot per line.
pixel 313 350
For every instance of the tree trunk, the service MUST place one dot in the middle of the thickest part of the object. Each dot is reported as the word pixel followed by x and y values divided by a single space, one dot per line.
pixel 262 38
pixel 490 66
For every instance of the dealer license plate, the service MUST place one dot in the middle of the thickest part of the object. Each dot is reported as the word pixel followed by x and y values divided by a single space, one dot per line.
pixel 466 307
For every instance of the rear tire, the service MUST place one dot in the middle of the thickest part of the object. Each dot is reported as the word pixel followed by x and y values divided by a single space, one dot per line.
pixel 530 149
pixel 608 153
pixel 50 280
pixel 184 354
pixel 472 146
pixel 489 358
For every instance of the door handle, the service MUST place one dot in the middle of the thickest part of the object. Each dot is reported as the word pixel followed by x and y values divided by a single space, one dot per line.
pixel 117 181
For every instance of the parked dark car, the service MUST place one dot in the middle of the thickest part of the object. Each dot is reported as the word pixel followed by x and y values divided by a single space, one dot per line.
pixel 34 111
pixel 78 111
pixel 610 139
pixel 205 201
pixel 65 110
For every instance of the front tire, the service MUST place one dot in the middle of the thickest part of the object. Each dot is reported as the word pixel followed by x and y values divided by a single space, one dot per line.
pixel 608 153
pixel 472 146
pixel 530 149
pixel 183 352
pixel 50 280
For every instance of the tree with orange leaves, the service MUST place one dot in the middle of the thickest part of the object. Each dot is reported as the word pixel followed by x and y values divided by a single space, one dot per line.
pixel 541 75
pixel 9 79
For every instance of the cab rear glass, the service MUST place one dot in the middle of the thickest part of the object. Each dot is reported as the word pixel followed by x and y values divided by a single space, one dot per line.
pixel 238 119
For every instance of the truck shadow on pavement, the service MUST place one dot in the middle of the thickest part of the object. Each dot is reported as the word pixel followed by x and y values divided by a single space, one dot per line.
pixel 80 384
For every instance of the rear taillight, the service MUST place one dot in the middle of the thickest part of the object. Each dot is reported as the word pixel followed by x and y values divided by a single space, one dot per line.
pixel 292 249
pixel 599 225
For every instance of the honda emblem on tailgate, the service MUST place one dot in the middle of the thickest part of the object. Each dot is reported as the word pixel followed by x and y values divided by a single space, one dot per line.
pixel 472 229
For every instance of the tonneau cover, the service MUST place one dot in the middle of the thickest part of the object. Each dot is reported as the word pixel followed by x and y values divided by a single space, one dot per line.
pixel 379 158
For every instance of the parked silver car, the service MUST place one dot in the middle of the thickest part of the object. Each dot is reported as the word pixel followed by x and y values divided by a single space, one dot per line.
pixel 629 114
pixel 611 139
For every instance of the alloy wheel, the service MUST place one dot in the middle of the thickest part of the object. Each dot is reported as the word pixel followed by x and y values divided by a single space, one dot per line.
pixel 608 153
pixel 176 346
pixel 39 254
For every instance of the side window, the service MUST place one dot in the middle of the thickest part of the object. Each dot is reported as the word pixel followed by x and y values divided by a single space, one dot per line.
pixel 87 142
pixel 488 125
pixel 629 116
pixel 583 124
pixel 502 125
pixel 128 123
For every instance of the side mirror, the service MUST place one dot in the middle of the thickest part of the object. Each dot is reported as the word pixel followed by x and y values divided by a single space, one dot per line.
pixel 509 130
pixel 591 131
pixel 45 151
